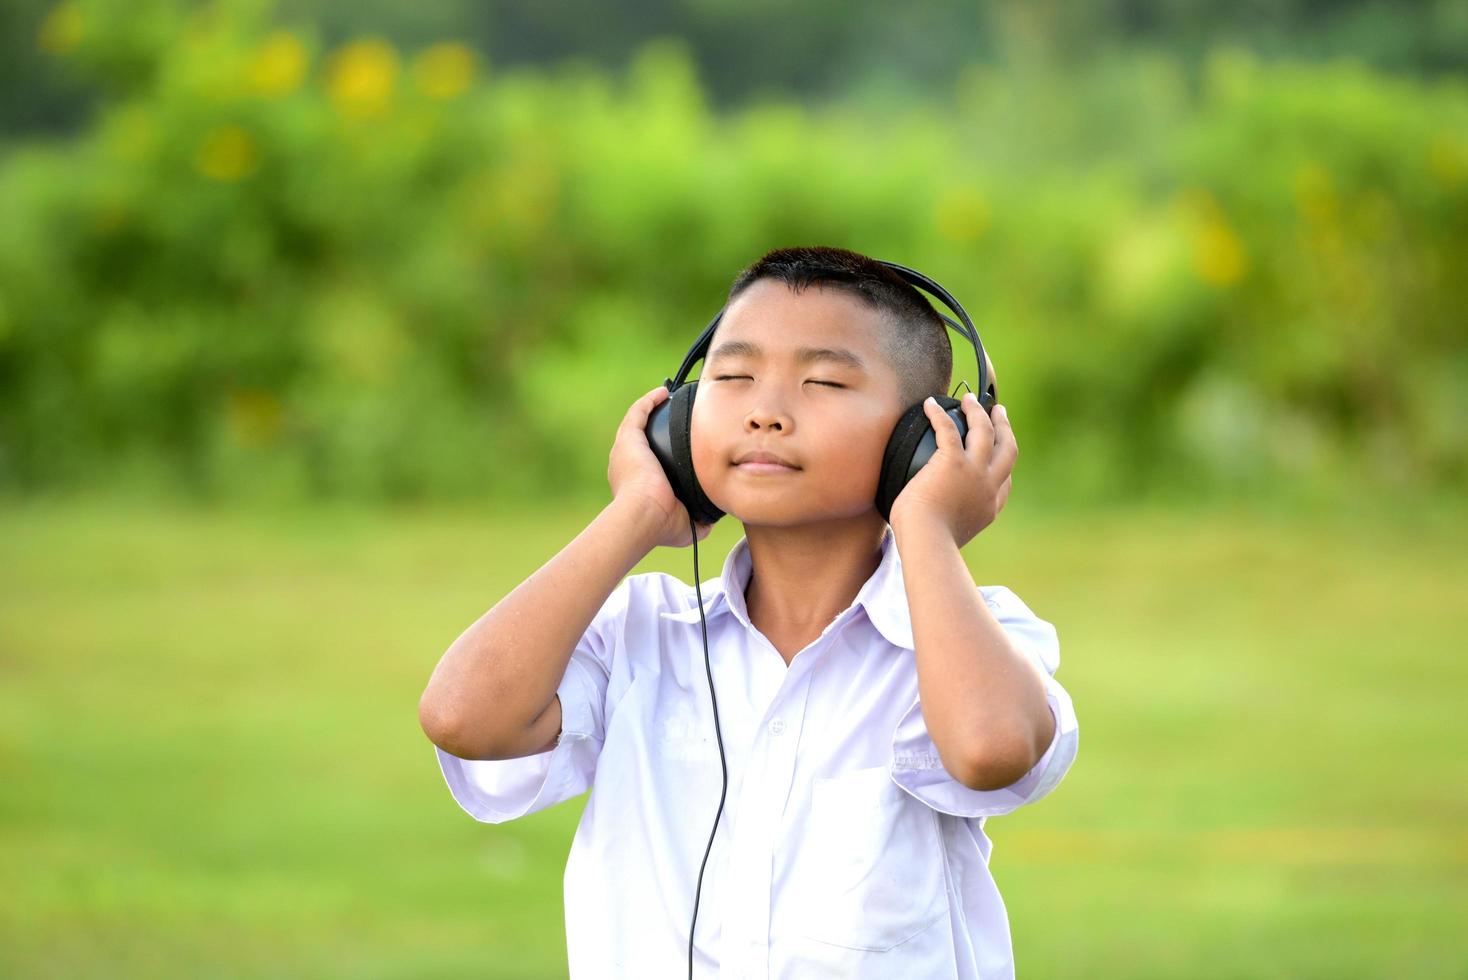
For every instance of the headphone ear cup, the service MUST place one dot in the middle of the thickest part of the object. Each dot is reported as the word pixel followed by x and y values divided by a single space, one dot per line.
pixel 669 429
pixel 912 444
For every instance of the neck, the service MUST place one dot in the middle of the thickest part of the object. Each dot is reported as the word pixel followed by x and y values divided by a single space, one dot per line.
pixel 804 577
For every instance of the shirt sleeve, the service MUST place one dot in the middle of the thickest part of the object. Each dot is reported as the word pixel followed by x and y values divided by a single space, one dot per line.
pixel 496 790
pixel 915 763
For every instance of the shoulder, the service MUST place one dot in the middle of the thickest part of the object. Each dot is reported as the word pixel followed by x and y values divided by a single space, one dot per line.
pixel 655 592
pixel 632 612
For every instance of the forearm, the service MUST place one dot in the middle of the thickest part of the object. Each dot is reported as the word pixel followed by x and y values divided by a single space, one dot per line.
pixel 983 702
pixel 501 674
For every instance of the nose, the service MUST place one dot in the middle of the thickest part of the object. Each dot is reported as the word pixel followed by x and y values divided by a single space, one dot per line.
pixel 759 419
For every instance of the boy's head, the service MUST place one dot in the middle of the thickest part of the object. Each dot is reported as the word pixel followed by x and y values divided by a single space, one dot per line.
pixel 913 339
pixel 818 354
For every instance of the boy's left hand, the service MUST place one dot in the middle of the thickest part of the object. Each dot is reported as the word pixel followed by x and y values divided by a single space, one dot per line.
pixel 963 485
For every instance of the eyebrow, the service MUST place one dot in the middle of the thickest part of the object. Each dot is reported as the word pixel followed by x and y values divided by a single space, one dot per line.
pixel 803 355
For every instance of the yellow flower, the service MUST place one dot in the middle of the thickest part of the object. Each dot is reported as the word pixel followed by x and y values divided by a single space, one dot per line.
pixel 63 28
pixel 278 65
pixel 227 153
pixel 443 71
pixel 1218 253
pixel 361 77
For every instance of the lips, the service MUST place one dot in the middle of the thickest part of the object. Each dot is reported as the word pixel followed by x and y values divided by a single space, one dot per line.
pixel 765 458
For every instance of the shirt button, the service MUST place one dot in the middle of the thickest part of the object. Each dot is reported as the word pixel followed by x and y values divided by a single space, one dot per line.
pixel 777 726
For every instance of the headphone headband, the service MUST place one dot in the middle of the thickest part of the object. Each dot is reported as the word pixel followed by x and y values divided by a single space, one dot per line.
pixel 700 346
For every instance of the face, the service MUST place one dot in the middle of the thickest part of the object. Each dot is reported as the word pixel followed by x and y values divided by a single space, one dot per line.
pixel 767 386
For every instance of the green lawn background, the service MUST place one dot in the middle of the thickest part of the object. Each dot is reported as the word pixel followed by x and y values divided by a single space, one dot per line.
pixel 210 762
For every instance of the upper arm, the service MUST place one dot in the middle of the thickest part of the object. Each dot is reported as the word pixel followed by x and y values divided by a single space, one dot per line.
pixel 917 768
pixel 554 758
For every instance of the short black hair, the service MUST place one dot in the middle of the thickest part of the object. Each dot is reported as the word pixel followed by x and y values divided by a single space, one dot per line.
pixel 916 341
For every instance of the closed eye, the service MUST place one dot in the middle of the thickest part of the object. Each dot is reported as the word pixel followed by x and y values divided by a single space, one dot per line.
pixel 736 377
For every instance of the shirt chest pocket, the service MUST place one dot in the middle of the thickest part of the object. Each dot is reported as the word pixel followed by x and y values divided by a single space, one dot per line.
pixel 871 865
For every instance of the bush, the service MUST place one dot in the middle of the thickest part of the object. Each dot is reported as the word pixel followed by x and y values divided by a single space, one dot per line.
pixel 270 269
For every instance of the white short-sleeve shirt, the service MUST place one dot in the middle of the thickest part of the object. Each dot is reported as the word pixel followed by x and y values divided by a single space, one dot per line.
pixel 845 848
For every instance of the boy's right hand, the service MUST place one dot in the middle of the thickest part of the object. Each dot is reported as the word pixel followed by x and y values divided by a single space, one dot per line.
pixel 637 478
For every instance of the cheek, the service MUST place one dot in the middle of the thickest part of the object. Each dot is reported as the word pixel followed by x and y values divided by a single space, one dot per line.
pixel 704 443
pixel 860 449
pixel 699 446
pixel 860 456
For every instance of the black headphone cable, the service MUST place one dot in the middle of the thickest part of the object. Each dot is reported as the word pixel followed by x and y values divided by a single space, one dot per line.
pixel 723 763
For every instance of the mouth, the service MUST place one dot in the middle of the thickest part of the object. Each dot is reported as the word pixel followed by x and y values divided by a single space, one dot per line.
pixel 764 463
pixel 757 467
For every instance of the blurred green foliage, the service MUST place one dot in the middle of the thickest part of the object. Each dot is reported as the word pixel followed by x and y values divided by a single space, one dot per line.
pixel 813 51
pixel 270 267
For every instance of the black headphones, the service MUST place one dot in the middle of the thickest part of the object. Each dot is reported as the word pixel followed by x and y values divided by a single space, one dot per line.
pixel 913 441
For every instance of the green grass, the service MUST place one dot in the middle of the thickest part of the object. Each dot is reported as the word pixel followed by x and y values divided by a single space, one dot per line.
pixel 210 762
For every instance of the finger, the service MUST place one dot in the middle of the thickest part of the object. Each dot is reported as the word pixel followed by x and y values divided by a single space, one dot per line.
pixel 945 428
pixel 1001 497
pixel 638 411
pixel 1005 447
pixel 980 440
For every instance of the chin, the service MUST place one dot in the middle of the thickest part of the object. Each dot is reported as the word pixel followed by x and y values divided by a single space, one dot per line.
pixel 763 508
pixel 758 516
pixel 770 509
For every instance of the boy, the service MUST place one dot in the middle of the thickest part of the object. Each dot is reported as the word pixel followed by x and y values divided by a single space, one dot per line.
pixel 875 705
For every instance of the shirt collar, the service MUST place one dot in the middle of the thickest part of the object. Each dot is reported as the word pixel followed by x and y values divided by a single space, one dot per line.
pixel 883 596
